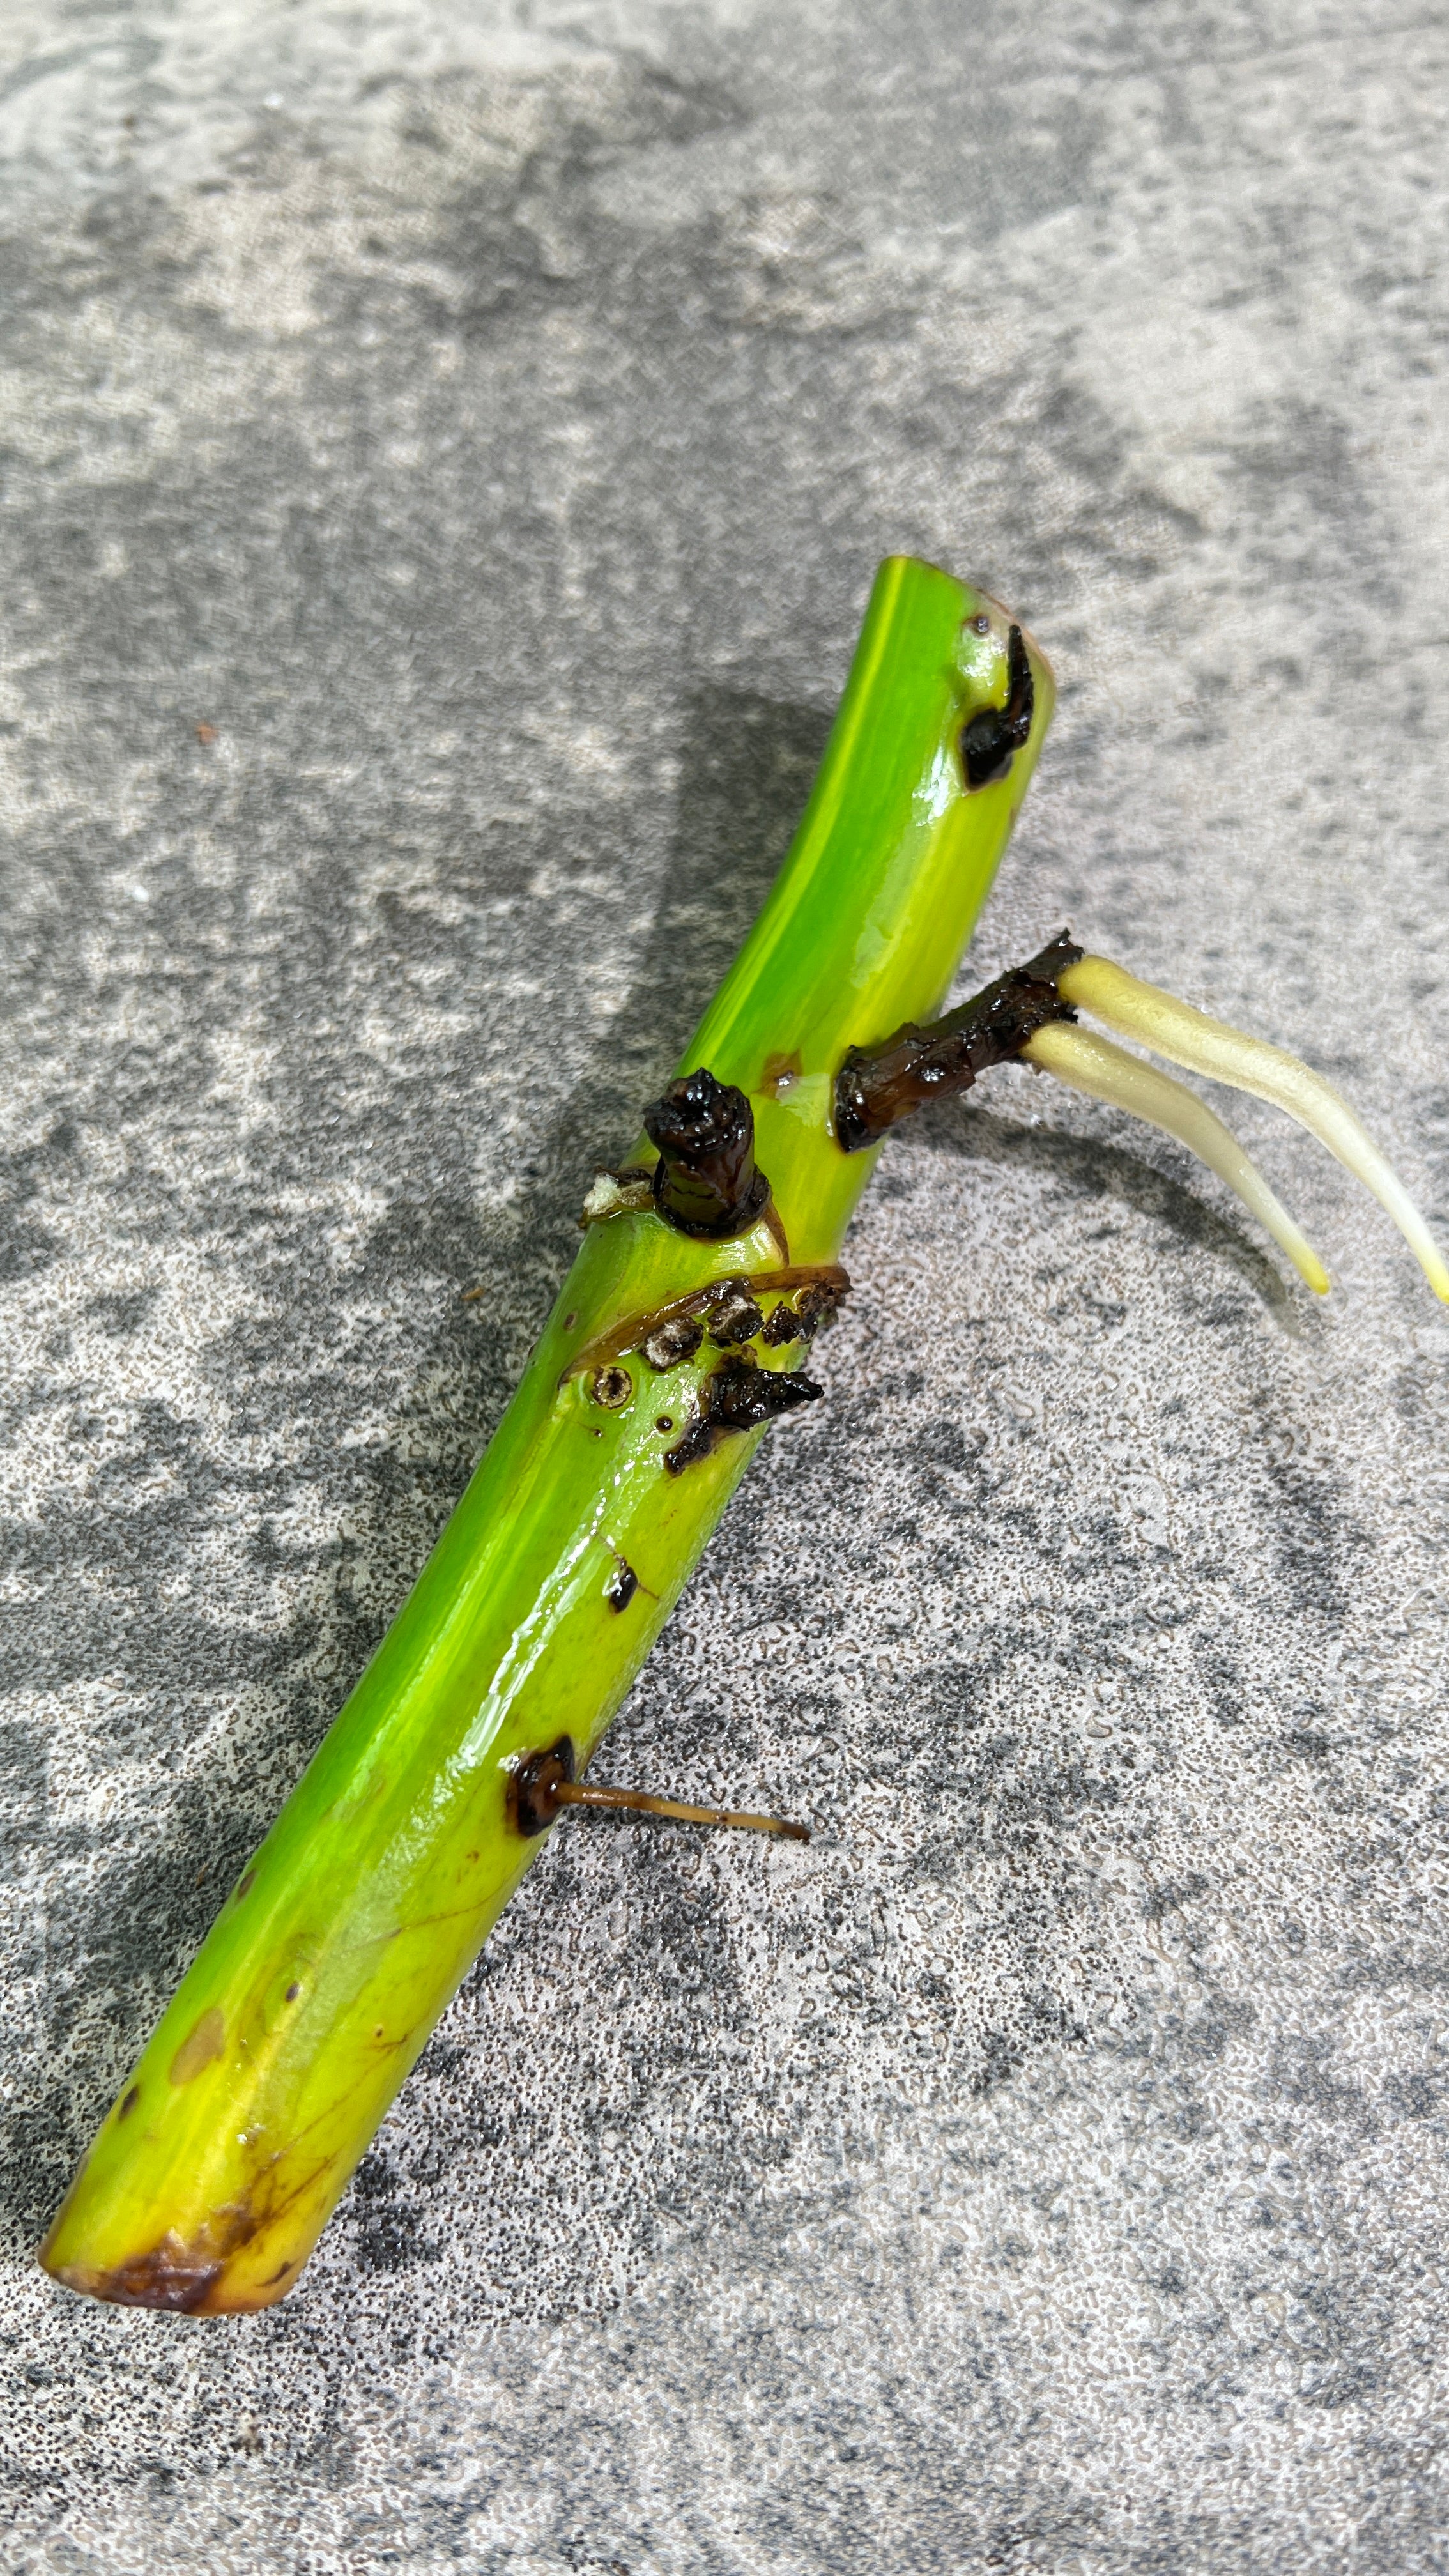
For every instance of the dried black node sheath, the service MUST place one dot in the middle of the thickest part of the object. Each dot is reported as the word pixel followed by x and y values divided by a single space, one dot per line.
pixel 876 1086
pixel 705 1181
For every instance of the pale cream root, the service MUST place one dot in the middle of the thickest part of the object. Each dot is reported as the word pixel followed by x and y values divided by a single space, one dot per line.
pixel 1106 1072
pixel 1189 1037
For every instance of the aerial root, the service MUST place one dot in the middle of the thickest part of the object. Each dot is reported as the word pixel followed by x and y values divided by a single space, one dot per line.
pixel 1105 1072
pixel 1190 1038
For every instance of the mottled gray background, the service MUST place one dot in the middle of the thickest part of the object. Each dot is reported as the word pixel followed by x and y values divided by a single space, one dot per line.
pixel 485 419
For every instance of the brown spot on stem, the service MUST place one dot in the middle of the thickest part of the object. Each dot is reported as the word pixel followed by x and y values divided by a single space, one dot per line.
pixel 293 1991
pixel 204 2043
pixel 198 2274
pixel 166 2277
pixel 244 1886
pixel 622 1586
pixel 129 2102
pixel 780 1072
pixel 612 1387
pixel 172 2273
pixel 738 1396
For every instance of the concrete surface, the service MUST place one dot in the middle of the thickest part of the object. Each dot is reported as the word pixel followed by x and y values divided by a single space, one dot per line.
pixel 483 421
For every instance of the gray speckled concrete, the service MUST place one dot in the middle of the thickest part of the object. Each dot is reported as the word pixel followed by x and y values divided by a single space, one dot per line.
pixel 485 422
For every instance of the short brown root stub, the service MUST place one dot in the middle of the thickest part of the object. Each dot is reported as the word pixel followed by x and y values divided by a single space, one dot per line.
pixel 533 1801
pixel 544 1785
pixel 678 1338
pixel 621 1586
pixel 876 1086
pixel 705 1181
pixel 612 1387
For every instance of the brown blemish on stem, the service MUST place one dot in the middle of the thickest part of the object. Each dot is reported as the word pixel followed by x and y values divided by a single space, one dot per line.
pixel 204 2043
pixel 738 1396
pixel 780 1073
pixel 877 1085
pixel 622 1585
pixel 129 2102
pixel 168 2275
pixel 991 738
pixel 244 1886
pixel 194 2276
pixel 632 1333
pixel 612 1387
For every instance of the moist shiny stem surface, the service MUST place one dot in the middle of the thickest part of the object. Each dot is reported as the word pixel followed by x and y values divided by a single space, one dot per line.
pixel 236 2132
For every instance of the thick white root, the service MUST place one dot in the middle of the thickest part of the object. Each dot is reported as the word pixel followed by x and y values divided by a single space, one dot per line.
pixel 1106 1072
pixel 1188 1037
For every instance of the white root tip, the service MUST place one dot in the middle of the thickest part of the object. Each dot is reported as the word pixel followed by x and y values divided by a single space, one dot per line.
pixel 1188 1037
pixel 1106 1072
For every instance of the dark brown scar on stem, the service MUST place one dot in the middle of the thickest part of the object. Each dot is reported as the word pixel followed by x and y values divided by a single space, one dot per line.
pixel 184 2277
pixel 129 2102
pixel 991 738
pixel 738 1396
pixel 877 1085
pixel 634 1331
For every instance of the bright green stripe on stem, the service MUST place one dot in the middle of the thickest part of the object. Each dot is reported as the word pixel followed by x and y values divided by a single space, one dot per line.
pixel 328 1967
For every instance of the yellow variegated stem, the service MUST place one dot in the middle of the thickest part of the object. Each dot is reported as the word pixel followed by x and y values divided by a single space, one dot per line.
pixel 236 2131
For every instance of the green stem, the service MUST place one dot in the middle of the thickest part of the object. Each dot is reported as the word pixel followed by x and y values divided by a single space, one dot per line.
pixel 330 1963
